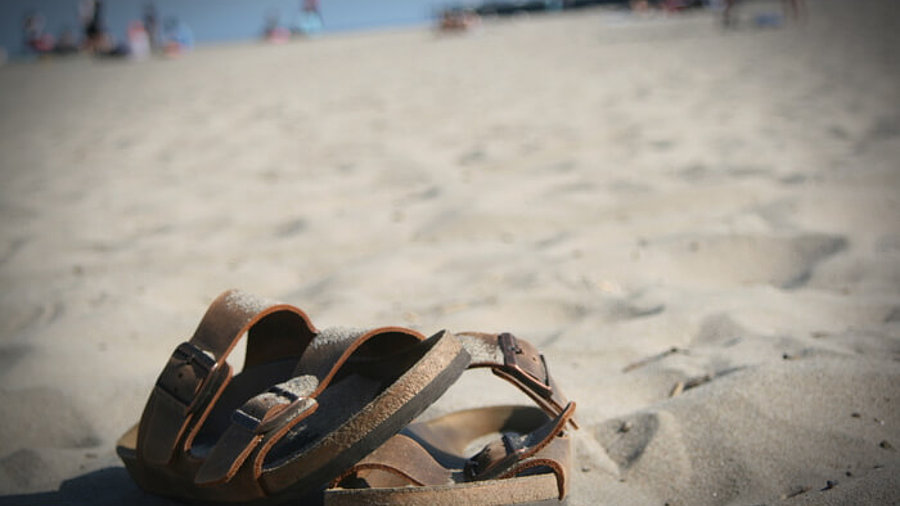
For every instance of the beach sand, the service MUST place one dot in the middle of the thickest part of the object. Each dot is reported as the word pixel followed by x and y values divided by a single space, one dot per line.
pixel 700 228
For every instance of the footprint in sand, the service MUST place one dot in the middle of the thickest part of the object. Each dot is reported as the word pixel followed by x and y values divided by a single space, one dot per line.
pixel 290 228
pixel 23 469
pixel 626 439
pixel 884 128
pixel 727 260
pixel 9 250
pixel 11 355
pixel 27 427
pixel 719 330
pixel 634 306
pixel 658 435
pixel 19 315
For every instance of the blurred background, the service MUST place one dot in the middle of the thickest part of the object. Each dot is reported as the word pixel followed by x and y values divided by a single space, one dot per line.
pixel 607 181
pixel 237 20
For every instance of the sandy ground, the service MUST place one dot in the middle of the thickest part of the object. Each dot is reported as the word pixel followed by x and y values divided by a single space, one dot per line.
pixel 607 186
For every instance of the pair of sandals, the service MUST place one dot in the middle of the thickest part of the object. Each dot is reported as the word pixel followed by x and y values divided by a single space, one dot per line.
pixel 328 412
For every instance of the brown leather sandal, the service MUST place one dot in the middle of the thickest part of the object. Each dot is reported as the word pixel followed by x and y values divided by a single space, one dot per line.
pixel 527 459
pixel 307 405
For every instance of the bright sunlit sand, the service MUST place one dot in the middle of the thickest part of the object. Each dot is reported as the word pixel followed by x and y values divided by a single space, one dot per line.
pixel 698 227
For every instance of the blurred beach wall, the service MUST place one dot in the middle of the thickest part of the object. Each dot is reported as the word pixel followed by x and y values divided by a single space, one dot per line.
pixel 214 20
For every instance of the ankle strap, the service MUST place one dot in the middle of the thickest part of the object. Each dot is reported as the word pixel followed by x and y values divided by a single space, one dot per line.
pixel 518 362
pixel 197 373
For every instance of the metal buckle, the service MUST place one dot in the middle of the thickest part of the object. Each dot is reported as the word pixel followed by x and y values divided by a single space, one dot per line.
pixel 294 407
pixel 486 465
pixel 185 375
pixel 529 372
pixel 290 412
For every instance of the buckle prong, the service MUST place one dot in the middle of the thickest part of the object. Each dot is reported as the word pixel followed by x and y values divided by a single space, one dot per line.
pixel 187 391
pixel 261 422
pixel 533 375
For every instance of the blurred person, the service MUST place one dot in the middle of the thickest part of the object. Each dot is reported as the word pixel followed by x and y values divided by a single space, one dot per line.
pixel 138 41
pixel 795 9
pixel 311 7
pixel 151 25
pixel 272 31
pixel 66 43
pixel 36 39
pixel 458 20
pixel 639 6
pixel 271 22
pixel 311 20
pixel 95 38
pixel 679 5
pixel 177 36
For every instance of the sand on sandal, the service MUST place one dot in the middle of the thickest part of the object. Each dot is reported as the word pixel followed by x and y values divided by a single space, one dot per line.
pixel 699 227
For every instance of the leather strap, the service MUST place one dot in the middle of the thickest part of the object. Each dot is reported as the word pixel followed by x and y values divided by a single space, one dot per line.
pixel 267 417
pixel 422 455
pixel 404 371
pixel 512 453
pixel 196 373
pixel 520 363
pixel 426 376
pixel 397 377
pixel 282 405
pixel 405 460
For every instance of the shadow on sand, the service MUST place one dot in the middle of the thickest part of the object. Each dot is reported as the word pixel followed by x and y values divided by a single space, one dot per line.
pixel 108 486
